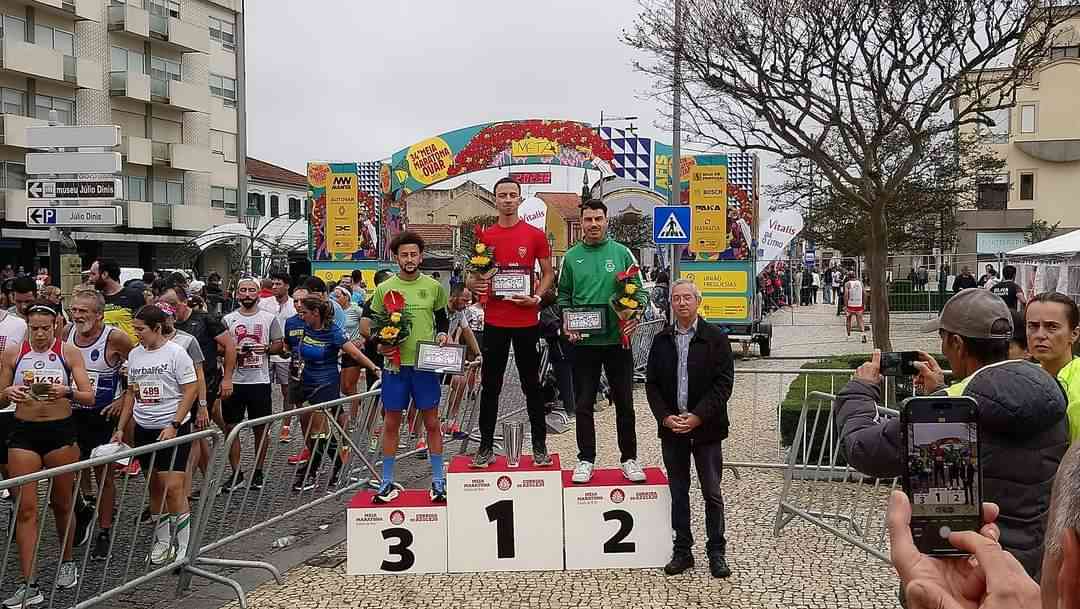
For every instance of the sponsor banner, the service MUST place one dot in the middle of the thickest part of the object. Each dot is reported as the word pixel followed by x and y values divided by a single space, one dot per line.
pixel 341 206
pixel 718 281
pixel 344 211
pixel 776 230
pixel 725 308
pixel 708 202
pixel 500 144
pixel 531 177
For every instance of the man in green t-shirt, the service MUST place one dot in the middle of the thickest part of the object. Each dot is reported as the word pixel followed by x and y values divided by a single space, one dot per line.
pixel 588 280
pixel 425 305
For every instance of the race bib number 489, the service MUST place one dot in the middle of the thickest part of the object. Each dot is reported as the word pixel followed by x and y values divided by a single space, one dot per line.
pixel 149 392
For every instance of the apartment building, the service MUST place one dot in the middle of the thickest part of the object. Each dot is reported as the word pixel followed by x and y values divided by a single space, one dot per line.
pixel 170 74
pixel 1039 138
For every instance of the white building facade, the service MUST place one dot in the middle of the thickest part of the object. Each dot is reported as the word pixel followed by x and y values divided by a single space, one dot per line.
pixel 170 74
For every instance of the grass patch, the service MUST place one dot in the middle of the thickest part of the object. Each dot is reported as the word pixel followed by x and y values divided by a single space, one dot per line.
pixel 804 384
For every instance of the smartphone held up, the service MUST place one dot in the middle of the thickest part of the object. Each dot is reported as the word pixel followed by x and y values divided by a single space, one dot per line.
pixel 942 470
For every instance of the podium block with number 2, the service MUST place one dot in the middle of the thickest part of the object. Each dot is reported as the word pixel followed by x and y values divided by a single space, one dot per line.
pixel 503 518
pixel 406 536
pixel 614 523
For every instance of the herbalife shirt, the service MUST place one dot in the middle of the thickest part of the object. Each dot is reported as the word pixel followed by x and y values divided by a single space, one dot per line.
pixel 261 328
pixel 156 376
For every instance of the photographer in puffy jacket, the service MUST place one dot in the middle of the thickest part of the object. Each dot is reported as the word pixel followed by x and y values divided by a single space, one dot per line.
pixel 1023 432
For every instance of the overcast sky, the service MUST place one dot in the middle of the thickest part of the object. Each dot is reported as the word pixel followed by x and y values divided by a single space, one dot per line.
pixel 356 81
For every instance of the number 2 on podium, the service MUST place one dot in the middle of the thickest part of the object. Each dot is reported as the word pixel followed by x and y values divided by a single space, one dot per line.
pixel 502 514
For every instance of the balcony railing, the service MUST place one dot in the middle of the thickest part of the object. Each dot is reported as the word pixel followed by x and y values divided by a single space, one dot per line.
pixel 116 17
pixel 160 151
pixel 159 25
pixel 162 215
pixel 159 87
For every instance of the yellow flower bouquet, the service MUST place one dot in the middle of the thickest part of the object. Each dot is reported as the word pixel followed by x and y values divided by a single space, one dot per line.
pixel 392 328
pixel 627 308
pixel 482 260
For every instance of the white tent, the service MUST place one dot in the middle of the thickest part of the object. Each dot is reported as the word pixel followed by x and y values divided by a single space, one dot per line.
pixel 1049 266
pixel 1062 246
pixel 278 234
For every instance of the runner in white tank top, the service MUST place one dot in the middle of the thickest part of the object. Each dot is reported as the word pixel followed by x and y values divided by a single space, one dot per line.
pixel 37 377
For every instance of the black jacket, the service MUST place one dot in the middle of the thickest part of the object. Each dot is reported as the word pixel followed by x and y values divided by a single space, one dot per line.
pixel 1023 434
pixel 711 370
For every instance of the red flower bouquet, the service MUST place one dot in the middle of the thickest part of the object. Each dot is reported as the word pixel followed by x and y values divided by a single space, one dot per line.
pixel 626 306
pixel 482 261
pixel 392 328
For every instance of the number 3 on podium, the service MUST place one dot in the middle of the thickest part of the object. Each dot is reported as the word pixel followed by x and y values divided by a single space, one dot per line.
pixel 401 548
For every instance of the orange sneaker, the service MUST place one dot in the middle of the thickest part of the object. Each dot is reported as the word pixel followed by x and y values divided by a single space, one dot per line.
pixel 134 469
pixel 284 437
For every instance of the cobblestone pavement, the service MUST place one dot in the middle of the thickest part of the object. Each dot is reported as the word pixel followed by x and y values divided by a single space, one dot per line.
pixel 804 567
pixel 230 513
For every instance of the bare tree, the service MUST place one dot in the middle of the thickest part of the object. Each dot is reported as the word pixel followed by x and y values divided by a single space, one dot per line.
pixel 945 181
pixel 831 81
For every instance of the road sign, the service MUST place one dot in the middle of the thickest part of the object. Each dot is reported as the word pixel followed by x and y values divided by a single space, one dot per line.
pixel 103 136
pixel 74 190
pixel 98 215
pixel 72 162
pixel 671 225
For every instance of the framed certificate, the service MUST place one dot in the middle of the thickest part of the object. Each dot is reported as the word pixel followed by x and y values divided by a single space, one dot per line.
pixel 585 320
pixel 505 284
pixel 444 360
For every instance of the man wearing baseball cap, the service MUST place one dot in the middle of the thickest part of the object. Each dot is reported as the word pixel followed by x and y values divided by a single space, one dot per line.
pixel 1023 432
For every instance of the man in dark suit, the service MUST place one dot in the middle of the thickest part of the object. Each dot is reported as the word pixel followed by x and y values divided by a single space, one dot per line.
pixel 689 380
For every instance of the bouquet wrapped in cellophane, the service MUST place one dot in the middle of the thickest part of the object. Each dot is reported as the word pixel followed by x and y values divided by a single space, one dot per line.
pixel 482 261
pixel 392 328
pixel 627 308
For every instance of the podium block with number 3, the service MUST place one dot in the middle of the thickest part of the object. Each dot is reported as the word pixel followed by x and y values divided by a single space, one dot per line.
pixel 405 536
pixel 503 518
pixel 614 523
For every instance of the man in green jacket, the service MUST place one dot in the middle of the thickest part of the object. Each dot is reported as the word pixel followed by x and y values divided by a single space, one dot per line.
pixel 588 282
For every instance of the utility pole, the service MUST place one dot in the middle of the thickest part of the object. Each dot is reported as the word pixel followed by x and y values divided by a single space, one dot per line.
pixel 54 231
pixel 676 137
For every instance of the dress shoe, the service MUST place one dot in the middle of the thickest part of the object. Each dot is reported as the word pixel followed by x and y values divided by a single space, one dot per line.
pixel 678 564
pixel 719 567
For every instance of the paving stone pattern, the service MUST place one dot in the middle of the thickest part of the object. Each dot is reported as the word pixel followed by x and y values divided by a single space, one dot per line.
pixel 805 567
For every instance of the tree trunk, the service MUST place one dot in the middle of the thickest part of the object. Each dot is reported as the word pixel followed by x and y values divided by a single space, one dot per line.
pixel 877 256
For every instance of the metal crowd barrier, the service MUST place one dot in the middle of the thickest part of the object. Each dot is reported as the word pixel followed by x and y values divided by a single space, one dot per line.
pixel 821 488
pixel 127 566
pixel 288 491
pixel 812 474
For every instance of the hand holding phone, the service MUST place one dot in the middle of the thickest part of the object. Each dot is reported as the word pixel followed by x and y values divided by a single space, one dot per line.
pixel 899 363
pixel 942 471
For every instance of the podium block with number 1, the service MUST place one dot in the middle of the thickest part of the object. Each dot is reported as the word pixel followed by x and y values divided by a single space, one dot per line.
pixel 505 518
pixel 614 523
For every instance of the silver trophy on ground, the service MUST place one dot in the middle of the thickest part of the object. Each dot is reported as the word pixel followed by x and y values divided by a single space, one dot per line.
pixel 513 440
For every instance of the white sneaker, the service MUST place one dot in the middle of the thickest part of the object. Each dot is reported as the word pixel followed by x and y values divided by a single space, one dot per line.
pixel 68 577
pixel 582 473
pixel 162 552
pixel 632 471
pixel 25 596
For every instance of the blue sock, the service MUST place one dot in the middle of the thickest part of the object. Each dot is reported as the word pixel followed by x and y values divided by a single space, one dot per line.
pixel 388 470
pixel 438 472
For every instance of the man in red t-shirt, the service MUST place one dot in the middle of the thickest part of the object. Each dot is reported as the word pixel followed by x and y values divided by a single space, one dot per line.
pixel 513 320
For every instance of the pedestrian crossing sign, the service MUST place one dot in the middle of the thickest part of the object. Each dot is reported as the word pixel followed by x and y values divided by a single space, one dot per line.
pixel 671 225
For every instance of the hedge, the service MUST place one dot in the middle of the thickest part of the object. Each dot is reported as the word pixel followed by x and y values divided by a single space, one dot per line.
pixel 803 384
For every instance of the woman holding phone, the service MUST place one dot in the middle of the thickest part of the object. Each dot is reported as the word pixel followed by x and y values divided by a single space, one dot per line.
pixel 162 386
pixel 37 377
pixel 319 345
